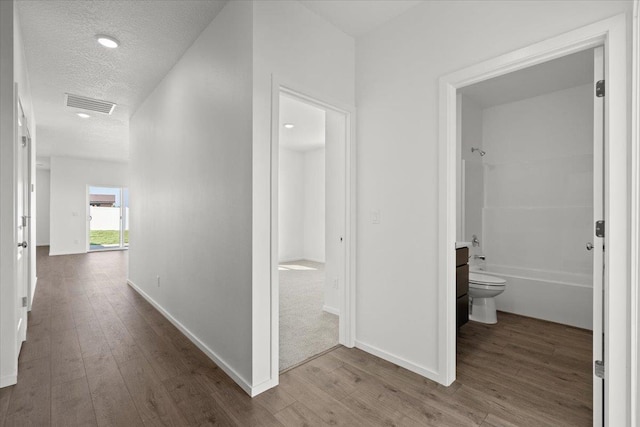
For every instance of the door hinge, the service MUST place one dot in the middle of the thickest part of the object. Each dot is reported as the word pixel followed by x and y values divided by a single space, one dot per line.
pixel 598 368
pixel 24 141
pixel 600 88
pixel 600 228
pixel 24 301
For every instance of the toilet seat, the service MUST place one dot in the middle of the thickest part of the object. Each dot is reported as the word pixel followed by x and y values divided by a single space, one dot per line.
pixel 482 286
pixel 485 279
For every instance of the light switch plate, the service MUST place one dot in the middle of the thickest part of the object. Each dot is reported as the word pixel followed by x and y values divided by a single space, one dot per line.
pixel 375 216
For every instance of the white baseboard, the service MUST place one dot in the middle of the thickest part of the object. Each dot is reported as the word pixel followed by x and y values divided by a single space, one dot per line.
pixel 331 310
pixel 261 388
pixel 286 261
pixel 399 361
pixel 244 384
pixel 66 253
pixel 282 261
pixel 8 380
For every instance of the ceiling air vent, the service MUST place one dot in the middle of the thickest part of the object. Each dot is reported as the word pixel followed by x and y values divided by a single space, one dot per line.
pixel 75 101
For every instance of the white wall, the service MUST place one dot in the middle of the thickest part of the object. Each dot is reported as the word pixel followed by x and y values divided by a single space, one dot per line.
pixel 13 70
pixel 314 205
pixel 538 212
pixel 69 204
pixel 43 190
pixel 191 192
pixel 291 205
pixel 297 47
pixel 301 211
pixel 398 66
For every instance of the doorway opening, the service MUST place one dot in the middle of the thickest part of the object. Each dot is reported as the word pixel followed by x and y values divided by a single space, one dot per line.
pixel 108 218
pixel 311 227
pixel 610 306
pixel 530 189
pixel 309 313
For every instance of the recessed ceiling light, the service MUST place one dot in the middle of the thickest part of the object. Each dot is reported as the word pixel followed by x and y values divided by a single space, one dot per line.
pixel 83 115
pixel 289 125
pixel 107 41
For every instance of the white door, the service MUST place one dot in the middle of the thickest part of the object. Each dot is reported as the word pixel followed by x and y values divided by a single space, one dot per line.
pixel 598 245
pixel 22 218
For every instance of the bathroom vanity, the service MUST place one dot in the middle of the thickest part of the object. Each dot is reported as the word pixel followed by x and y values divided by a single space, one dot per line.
pixel 462 285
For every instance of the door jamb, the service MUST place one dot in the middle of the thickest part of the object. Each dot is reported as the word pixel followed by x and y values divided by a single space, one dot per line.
pixel 348 303
pixel 635 214
pixel 612 34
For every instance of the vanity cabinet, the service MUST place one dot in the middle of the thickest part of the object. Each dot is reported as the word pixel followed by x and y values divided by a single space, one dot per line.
pixel 462 285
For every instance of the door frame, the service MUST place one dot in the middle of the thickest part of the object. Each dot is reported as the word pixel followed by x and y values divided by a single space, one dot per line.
pixel 612 34
pixel 22 161
pixel 635 216
pixel 348 300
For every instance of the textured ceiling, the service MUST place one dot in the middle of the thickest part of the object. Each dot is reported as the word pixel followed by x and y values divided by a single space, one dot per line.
pixel 562 73
pixel 308 133
pixel 63 56
pixel 358 17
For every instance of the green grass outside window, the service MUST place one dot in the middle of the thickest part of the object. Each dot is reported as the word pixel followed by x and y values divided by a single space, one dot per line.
pixel 107 237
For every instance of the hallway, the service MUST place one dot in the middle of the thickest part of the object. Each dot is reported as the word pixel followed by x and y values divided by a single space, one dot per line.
pixel 98 354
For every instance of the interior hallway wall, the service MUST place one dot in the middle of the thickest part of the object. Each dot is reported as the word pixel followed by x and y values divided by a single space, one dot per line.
pixel 538 212
pixel 190 250
pixel 398 67
pixel 43 191
pixel 69 204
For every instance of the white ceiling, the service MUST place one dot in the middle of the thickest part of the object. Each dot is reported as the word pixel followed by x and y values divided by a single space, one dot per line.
pixel 562 73
pixel 309 121
pixel 358 17
pixel 63 56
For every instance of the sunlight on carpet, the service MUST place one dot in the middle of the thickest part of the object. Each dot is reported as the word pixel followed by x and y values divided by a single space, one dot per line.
pixel 305 329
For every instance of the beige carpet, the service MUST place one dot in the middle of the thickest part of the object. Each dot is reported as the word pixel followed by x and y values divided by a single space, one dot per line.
pixel 305 330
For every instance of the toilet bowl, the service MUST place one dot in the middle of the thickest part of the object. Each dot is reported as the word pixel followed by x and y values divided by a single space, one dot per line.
pixel 483 288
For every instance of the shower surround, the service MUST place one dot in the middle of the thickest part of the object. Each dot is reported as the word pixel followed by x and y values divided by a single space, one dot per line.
pixel 536 202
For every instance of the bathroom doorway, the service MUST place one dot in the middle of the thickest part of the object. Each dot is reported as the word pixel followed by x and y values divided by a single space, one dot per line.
pixel 609 397
pixel 530 191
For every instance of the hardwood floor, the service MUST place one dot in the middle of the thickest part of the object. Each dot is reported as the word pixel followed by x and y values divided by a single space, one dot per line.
pixel 98 354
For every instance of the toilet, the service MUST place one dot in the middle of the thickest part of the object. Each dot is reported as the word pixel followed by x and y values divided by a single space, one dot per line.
pixel 483 288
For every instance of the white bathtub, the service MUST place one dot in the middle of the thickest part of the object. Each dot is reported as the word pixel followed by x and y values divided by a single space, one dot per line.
pixel 554 296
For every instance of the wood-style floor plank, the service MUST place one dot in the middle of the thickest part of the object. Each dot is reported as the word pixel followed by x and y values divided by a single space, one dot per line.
pixel 97 353
pixel 5 395
pixel 71 404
